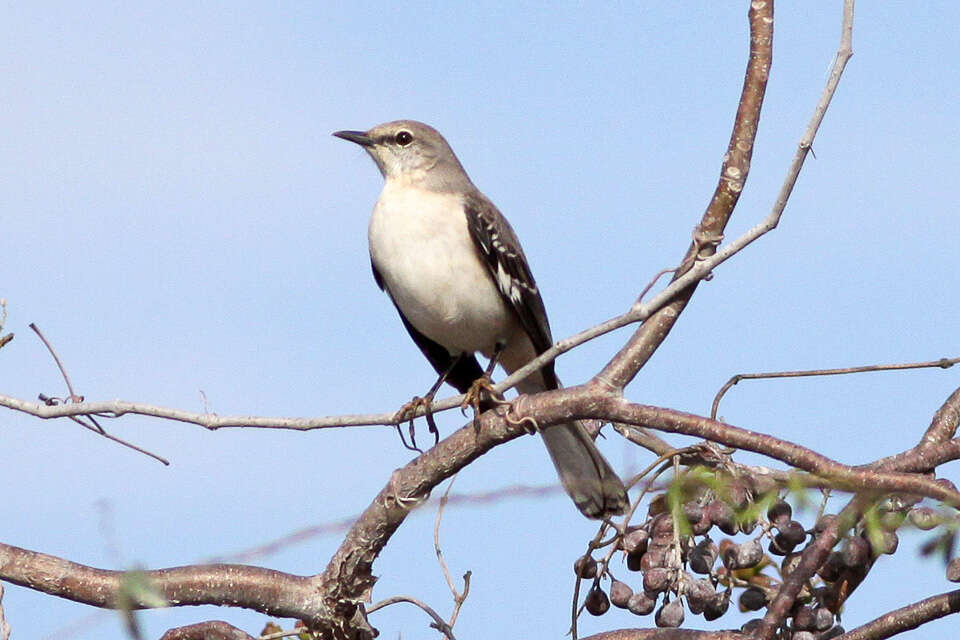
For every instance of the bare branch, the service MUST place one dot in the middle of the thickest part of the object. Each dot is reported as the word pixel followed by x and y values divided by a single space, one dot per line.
pixel 665 634
pixel 4 339
pixel 943 427
pixel 265 590
pixel 907 618
pixel 458 597
pixel 585 402
pixel 56 358
pixel 437 624
pixel 74 397
pixel 942 363
pixel 733 176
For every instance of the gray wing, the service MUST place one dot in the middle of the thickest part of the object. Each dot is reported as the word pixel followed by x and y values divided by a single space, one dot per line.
pixel 501 252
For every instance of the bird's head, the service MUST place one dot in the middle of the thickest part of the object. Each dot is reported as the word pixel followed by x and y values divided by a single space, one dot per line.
pixel 411 152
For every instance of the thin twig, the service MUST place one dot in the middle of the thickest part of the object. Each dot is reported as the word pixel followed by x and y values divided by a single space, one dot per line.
pixel 942 363
pixel 458 598
pixel 73 396
pixel 4 339
pixel 653 281
pixel 437 624
pixel 96 428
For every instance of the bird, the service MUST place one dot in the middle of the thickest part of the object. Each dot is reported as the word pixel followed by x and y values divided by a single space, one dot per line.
pixel 456 273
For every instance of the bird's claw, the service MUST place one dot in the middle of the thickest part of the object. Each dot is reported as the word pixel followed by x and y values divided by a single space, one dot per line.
pixel 481 389
pixel 408 413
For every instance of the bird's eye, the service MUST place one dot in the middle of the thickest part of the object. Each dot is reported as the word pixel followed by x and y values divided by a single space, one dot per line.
pixel 403 138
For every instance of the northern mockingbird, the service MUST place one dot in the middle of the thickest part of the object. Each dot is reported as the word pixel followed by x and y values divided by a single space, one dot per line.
pixel 454 269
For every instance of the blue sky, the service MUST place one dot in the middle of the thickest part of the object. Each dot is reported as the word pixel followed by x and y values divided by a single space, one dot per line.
pixel 178 220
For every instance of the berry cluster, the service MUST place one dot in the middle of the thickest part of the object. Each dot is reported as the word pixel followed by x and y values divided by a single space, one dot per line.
pixel 682 568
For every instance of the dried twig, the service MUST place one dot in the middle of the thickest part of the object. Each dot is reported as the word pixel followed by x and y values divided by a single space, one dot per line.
pixel 942 363
pixel 437 623
pixel 4 339
pixel 74 398
pixel 458 597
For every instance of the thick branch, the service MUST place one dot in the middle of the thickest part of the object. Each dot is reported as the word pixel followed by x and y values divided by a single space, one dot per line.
pixel 665 634
pixel 586 402
pixel 270 592
pixel 906 618
pixel 348 576
pixel 733 176
pixel 943 427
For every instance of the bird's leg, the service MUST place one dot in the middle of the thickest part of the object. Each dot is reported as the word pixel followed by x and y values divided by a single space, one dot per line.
pixel 409 411
pixel 483 386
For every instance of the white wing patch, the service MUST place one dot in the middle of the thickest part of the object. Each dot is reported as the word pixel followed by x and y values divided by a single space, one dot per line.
pixel 510 286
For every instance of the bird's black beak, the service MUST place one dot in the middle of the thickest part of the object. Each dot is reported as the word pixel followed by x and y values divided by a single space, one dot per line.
pixel 360 137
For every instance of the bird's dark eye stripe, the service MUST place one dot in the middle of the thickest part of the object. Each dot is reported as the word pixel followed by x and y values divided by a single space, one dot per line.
pixel 403 138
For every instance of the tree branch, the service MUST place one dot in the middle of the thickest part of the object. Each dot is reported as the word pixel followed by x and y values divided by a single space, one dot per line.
pixel 666 634
pixel 733 176
pixel 907 618
pixel 265 590
pixel 438 622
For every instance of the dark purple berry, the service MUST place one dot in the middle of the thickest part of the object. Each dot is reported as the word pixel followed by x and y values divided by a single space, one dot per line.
pixel 743 556
pixel 722 515
pixel 778 511
pixel 641 604
pixel 597 602
pixel 824 619
pixel 856 552
pixel 657 580
pixel 700 593
pixel 753 599
pixel 620 594
pixel 717 607
pixel 702 556
pixel 693 512
pixel 752 626
pixel 635 541
pixel 585 567
pixel 670 615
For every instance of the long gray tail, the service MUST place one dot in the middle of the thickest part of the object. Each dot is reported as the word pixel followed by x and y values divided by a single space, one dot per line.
pixel 585 474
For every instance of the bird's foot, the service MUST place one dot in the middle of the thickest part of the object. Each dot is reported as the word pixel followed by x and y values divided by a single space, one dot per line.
pixel 408 413
pixel 481 390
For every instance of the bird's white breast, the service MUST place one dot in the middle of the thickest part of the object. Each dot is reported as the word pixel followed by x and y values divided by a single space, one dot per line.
pixel 422 248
